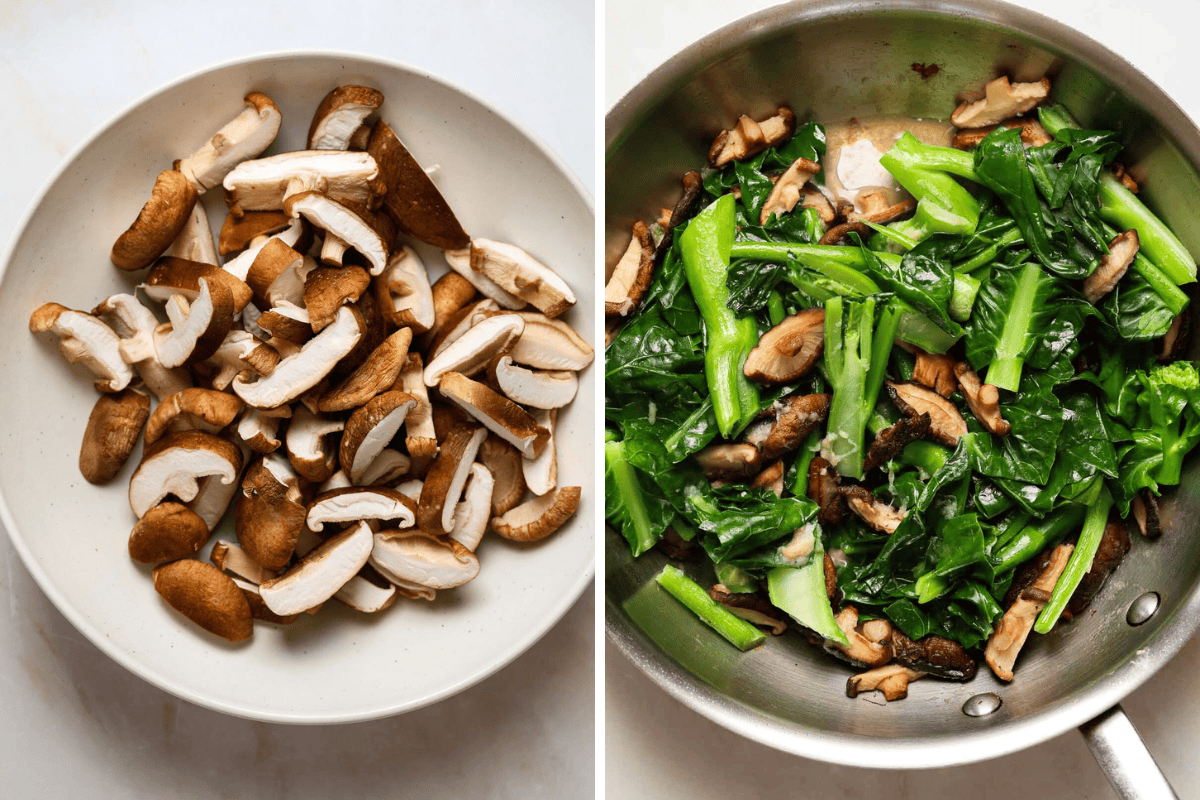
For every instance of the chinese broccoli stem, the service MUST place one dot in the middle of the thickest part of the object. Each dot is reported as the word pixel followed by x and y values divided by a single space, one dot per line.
pixel 705 247
pixel 927 172
pixel 737 631
pixel 1037 536
pixel 1080 561
pixel 631 495
pixel 856 355
pixel 1005 369
pixel 804 457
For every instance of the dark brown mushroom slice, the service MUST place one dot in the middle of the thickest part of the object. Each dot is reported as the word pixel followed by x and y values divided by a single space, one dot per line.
pixel 1024 576
pixel 771 477
pixel 893 439
pixel 811 197
pixel 824 490
pixel 837 233
pixel 112 432
pixel 890 679
pixel 749 138
pixel 984 400
pixel 797 418
pixel 1006 641
pixel 1145 512
pixel 753 608
pixel 935 655
pixel 632 275
pixel 1113 265
pixel 677 548
pixel 876 513
pixel 946 424
pixel 1121 174
pixel 1032 133
pixel 789 349
pixel 729 462
pixel 237 232
pixel 412 199
pixel 877 209
pixel 693 183
pixel 830 578
pixel 1114 544
pixel 935 370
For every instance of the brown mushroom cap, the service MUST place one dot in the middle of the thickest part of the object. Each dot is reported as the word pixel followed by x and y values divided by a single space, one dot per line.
pixel 340 114
pixel 877 209
pixel 518 272
pixel 539 517
pixel 206 596
pixel 796 418
pixel 308 451
pixel 404 293
pixel 631 277
pixel 935 370
pixel 158 223
pixel 327 289
pixel 789 349
pixel 446 477
pixel 1113 265
pixel 166 532
pixel 412 198
pixel 460 262
pixel 277 273
pixel 499 414
pixel 946 425
pixel 1001 100
pixel 825 491
pixel 172 275
pixel 787 190
pixel 269 517
pixel 504 462
pixel 729 462
pixel 112 432
pixel 176 463
pixel 237 232
pixel 421 438
pixel 450 293
pixel 195 408
pixel 891 440
pixel 749 138
pixel 375 375
pixel 370 428
pixel 198 328
pixel 983 399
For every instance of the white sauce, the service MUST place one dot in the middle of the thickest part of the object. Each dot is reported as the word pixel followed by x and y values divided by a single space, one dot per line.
pixel 858 167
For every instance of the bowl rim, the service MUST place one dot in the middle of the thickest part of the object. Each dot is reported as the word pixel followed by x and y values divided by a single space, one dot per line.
pixel 517 646
pixel 1003 736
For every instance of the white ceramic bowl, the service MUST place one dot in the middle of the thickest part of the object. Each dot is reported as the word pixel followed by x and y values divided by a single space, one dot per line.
pixel 339 665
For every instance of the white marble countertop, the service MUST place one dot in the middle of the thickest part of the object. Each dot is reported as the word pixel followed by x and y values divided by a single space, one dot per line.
pixel 77 724
pixel 706 762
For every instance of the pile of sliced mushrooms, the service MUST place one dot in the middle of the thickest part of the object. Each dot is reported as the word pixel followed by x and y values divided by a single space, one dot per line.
pixel 295 350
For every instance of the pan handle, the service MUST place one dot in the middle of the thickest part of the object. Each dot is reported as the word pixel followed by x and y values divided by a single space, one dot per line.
pixel 1124 757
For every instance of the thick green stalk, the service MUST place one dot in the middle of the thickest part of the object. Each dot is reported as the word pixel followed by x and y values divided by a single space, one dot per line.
pixel 775 308
pixel 989 253
pixel 881 351
pixel 1080 562
pixel 1005 369
pixel 631 496
pixel 848 348
pixel 737 631
pixel 943 204
pixel 1037 536
pixel 804 457
pixel 800 592
pixel 705 247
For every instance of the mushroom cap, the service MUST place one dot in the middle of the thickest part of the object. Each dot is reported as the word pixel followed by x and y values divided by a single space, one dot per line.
pixel 111 434
pixel 412 198
pixel 541 472
pixel 320 573
pixel 460 261
pixel 243 137
pixel 797 416
pixel 538 518
pixel 198 328
pixel 263 184
pixel 416 558
pixel 375 375
pixel 340 114
pixel 269 516
pixel 404 293
pixel 1001 100
pixel 729 461
pixel 167 532
pixel 235 562
pixel 459 322
pixel 1113 265
pixel 551 344
pixel 421 439
pixel 446 477
pixel 504 462
pixel 200 409
pixel 516 271
pixel 176 463
pixel 278 273
pixel 369 430
pixel 287 321
pixel 206 596
pixel 787 190
pixel 259 428
pixel 935 370
pixel 326 289
pixel 296 374
pixel 471 515
pixel 173 275
pixel 450 293
pixel 946 425
pixel 361 503
pixel 631 277
pixel 536 388
pixel 297 235
pixel 789 349
pixel 351 223
pixel 471 352
pixel 158 223
pixel 308 451
pixel 237 232
pixel 83 338
pixel 499 414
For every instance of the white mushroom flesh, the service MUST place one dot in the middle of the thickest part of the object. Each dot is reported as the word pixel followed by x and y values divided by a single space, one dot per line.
pixel 541 472
pixel 417 558
pixel 320 573
pixel 536 388
pixel 243 137
pixel 460 262
pixel 472 514
pixel 471 352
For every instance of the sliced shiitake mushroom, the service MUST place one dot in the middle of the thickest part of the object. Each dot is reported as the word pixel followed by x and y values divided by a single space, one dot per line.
pixel 879 515
pixel 193 409
pixel 321 572
pixel 269 516
pixel 891 440
pixel 158 223
pixel 788 350
pixel 499 414
pixel 370 428
pixel 206 596
pixel 446 477
pixel 631 276
pixel 111 434
pixel 983 399
pixel 84 339
pixel 946 425
pixel 749 138
pixel 167 532
pixel 538 518
pixel 504 462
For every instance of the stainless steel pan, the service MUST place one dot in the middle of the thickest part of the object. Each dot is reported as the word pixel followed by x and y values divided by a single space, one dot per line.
pixel 831 60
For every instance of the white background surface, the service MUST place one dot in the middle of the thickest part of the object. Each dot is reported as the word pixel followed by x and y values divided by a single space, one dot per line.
pixel 75 724
pixel 658 748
